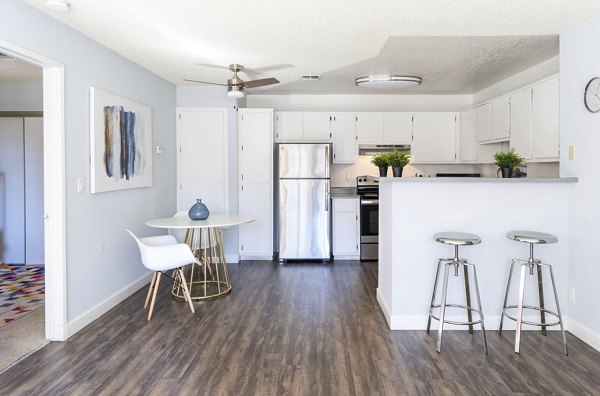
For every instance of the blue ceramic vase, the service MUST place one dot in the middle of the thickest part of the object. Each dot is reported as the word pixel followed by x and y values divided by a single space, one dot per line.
pixel 198 211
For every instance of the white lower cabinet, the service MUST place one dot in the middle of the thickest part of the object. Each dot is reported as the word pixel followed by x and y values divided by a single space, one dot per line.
pixel 256 238
pixel 346 228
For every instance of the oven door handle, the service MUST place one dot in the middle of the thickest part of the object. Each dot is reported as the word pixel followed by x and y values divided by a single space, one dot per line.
pixel 369 202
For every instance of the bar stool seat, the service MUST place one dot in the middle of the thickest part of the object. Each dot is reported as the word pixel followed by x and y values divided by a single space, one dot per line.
pixel 456 239
pixel 532 238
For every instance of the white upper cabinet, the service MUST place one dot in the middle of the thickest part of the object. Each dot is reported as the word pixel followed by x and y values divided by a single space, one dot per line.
pixel 545 120
pixel 397 128
pixel 520 122
pixel 254 134
pixel 300 126
pixel 501 118
pixel 343 131
pixel 369 127
pixel 484 122
pixel 434 137
pixel 468 136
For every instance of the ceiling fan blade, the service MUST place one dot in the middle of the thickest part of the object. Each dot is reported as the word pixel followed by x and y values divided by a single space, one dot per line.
pixel 205 82
pixel 260 83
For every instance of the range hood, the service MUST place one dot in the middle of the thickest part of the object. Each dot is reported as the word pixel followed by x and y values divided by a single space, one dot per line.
pixel 373 149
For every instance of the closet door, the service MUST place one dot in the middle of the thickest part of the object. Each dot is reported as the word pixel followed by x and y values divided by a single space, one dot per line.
pixel 12 191
pixel 34 190
pixel 202 159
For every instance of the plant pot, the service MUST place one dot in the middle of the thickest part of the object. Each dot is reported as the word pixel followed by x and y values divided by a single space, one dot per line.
pixel 383 171
pixel 506 172
pixel 397 171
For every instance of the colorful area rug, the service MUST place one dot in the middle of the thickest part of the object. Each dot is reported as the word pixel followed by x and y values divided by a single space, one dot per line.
pixel 21 292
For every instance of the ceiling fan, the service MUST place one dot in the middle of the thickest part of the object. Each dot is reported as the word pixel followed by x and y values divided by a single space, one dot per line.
pixel 235 85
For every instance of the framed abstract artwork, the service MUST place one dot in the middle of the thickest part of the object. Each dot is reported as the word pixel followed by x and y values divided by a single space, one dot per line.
pixel 121 142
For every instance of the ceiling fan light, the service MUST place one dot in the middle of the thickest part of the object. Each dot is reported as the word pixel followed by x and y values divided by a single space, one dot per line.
pixel 57 5
pixel 388 82
pixel 234 91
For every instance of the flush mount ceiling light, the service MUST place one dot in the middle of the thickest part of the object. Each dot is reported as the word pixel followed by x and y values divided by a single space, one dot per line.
pixel 235 91
pixel 387 82
pixel 57 5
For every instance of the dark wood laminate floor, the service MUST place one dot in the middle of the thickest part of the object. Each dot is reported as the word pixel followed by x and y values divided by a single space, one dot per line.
pixel 299 329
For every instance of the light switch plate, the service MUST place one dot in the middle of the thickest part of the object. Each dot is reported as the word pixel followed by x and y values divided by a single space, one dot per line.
pixel 80 185
pixel 571 152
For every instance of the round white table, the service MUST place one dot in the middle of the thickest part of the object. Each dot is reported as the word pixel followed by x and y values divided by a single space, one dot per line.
pixel 204 238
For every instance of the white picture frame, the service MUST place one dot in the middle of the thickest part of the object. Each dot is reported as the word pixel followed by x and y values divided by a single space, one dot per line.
pixel 120 143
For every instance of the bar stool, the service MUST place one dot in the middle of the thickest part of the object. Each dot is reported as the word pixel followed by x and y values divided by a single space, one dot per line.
pixel 539 238
pixel 456 239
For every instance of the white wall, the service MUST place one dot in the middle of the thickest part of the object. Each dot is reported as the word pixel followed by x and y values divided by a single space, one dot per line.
pixel 102 259
pixel 579 62
pixel 215 96
pixel 21 96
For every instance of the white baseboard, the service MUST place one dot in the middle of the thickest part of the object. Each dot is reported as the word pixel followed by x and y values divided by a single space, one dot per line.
pixel 584 333
pixel 104 306
pixel 232 258
pixel 257 257
pixel 343 258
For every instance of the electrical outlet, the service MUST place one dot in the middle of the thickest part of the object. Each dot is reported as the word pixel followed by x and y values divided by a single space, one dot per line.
pixel 572 295
pixel 348 176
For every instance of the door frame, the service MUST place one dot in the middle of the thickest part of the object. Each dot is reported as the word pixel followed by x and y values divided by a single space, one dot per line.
pixel 54 188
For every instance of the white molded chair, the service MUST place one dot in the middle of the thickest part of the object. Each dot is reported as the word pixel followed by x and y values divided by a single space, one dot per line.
pixel 163 253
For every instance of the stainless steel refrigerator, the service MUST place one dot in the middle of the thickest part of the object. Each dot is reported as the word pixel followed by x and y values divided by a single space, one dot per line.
pixel 304 201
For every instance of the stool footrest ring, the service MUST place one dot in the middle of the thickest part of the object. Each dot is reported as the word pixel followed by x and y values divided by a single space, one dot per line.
pixel 456 306
pixel 533 308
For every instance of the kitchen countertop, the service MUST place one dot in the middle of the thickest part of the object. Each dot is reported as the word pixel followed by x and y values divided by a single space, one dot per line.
pixel 478 180
pixel 343 192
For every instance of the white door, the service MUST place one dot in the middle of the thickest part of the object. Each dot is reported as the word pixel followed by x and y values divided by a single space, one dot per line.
pixel 369 127
pixel 520 122
pixel 256 238
pixel 343 131
pixel 397 128
pixel 501 118
pixel 434 137
pixel 468 135
pixel 255 131
pixel 202 159
pixel 290 126
pixel 34 190
pixel 317 127
pixel 545 119
pixel 484 122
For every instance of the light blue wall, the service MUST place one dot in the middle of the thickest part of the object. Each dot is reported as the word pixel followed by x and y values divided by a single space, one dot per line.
pixel 101 258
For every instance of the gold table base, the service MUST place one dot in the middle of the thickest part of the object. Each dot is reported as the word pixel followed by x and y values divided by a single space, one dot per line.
pixel 210 279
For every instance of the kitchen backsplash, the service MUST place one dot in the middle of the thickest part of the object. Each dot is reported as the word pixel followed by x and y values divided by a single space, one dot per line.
pixel 345 175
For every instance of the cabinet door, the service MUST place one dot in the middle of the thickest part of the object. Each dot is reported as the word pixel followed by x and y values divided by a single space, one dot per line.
pixel 545 119
pixel 255 138
pixel 346 227
pixel 484 122
pixel 520 122
pixel 317 127
pixel 369 127
pixel 343 130
pixel 256 237
pixel 501 118
pixel 434 137
pixel 290 127
pixel 468 135
pixel 397 128
pixel 202 159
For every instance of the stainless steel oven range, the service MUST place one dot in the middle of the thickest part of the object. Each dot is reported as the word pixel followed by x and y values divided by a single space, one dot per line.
pixel 368 190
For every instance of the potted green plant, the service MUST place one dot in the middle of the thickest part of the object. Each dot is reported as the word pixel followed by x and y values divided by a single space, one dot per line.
pixel 507 161
pixel 397 161
pixel 380 161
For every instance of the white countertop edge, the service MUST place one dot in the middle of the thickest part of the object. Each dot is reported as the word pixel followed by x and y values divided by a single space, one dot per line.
pixel 478 180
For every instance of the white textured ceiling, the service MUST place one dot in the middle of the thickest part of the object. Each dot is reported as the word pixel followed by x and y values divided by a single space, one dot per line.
pixel 15 70
pixel 338 39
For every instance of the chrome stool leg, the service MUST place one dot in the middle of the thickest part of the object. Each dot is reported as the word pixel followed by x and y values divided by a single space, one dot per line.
pixel 468 295
pixel 520 306
pixel 437 273
pixel 562 329
pixel 541 297
pixel 512 266
pixel 479 308
pixel 443 306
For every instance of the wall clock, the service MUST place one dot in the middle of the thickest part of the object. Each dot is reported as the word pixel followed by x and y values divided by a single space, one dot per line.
pixel 591 97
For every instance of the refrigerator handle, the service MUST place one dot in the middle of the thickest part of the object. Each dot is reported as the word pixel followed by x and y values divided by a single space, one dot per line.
pixel 327 160
pixel 327 196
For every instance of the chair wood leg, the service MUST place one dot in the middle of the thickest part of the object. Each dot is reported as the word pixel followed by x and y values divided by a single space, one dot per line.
pixel 150 290
pixel 158 274
pixel 186 292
